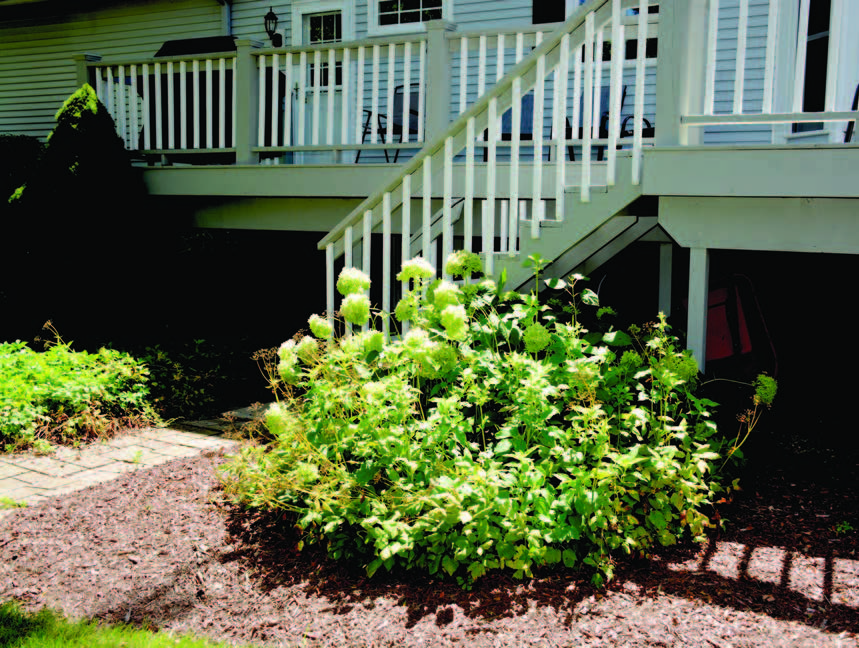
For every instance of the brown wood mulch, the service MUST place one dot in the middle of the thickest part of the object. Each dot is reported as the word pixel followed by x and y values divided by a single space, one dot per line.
pixel 156 547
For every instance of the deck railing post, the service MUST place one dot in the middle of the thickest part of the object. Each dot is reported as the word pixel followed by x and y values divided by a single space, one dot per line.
pixel 681 61
pixel 438 78
pixel 247 101
pixel 83 73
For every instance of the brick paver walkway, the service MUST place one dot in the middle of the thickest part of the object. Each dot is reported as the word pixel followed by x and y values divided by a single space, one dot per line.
pixel 28 479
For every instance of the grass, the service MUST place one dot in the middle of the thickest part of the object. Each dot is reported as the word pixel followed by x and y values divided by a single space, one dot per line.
pixel 49 629
pixel 9 503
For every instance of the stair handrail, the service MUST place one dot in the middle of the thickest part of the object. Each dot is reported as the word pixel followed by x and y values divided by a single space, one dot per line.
pixel 459 124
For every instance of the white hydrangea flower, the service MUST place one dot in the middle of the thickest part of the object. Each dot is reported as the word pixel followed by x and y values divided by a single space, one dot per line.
pixel 446 294
pixel 321 327
pixel 455 322
pixel 417 268
pixel 352 281
pixel 307 349
pixel 356 308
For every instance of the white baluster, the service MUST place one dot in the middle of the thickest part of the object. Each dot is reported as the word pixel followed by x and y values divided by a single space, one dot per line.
pixel 135 115
pixel 489 233
pixel 405 243
pixel 468 207
pixel 421 97
pixel 344 95
pixel 156 74
pixel 481 66
pixel 329 282
pixel 374 97
pixel 329 121
pixel 147 122
pixel 407 91
pixel 639 92
pixel 463 72
pixel 183 105
pixel 287 118
pixel 209 116
pixel 302 98
pixel 359 98
pixel 588 116
pixel 171 108
pixel 386 265
pixel 769 62
pixel 447 199
pixel 222 102
pixel 263 94
pixel 832 59
pixel 427 207
pixel 561 119
pixel 109 93
pixel 195 75
pixel 503 221
pixel 365 256
pixel 740 68
pixel 123 106
pixel 539 100
pixel 275 99
pixel 516 128
pixel 712 43
pixel 615 79
pixel 392 52
pixel 235 90
pixel 597 112
pixel 317 86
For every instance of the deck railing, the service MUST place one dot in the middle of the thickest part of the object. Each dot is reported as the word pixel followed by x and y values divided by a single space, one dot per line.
pixel 323 103
pixel 754 66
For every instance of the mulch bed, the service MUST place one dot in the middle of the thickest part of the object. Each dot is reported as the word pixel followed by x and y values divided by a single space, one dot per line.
pixel 156 546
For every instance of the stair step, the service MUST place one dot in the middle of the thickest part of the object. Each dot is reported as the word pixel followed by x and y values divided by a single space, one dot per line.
pixel 594 189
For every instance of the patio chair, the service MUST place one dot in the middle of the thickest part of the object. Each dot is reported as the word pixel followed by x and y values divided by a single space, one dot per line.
pixel 398 128
pixel 526 124
pixel 605 101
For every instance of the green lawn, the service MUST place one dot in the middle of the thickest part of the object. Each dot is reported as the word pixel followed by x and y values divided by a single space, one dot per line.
pixel 48 629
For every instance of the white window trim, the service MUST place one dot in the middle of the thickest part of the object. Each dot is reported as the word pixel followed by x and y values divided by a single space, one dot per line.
pixel 375 29
pixel 302 7
pixel 848 68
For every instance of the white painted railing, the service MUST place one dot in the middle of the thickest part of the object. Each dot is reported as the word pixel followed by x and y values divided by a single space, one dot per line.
pixel 349 96
pixel 433 172
pixel 782 99
pixel 169 104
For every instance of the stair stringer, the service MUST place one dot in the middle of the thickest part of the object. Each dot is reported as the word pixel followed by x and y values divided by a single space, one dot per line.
pixel 580 220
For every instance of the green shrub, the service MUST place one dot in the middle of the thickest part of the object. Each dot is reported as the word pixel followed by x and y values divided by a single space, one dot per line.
pixel 63 395
pixel 497 433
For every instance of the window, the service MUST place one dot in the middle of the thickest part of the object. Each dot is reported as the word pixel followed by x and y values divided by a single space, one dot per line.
pixel 403 16
pixel 816 55
pixel 320 29
pixel 400 12
pixel 548 11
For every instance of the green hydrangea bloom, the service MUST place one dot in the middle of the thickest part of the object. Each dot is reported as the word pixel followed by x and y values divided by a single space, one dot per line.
pixel 463 264
pixel 320 327
pixel 372 341
pixel 288 365
pixel 765 389
pixel 356 308
pixel 446 294
pixel 307 349
pixel 630 360
pixel 438 361
pixel 407 307
pixel 352 281
pixel 455 322
pixel 536 338
pixel 416 269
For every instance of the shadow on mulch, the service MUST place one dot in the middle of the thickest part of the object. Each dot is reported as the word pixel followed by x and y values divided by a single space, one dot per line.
pixel 783 509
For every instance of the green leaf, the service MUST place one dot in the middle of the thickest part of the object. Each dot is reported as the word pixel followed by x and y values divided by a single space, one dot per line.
pixel 570 558
pixel 449 565
pixel 373 567
pixel 589 297
pixel 617 338
pixel 555 284
pixel 657 519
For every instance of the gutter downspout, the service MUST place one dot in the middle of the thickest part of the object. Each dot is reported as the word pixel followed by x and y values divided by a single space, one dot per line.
pixel 226 16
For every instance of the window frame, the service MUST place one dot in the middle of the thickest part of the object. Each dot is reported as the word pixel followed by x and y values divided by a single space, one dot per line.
pixel 375 29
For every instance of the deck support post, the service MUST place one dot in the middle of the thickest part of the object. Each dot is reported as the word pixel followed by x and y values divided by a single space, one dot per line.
pixel 247 102
pixel 680 62
pixel 438 78
pixel 666 258
pixel 699 270
pixel 82 70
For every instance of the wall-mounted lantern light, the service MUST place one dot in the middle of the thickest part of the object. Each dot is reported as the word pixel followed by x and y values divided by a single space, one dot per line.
pixel 271 27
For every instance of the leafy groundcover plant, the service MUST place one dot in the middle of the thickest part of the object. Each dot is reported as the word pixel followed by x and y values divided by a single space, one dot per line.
pixel 494 433
pixel 66 396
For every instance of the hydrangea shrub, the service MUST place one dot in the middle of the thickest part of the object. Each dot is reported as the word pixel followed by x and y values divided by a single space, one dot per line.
pixel 497 433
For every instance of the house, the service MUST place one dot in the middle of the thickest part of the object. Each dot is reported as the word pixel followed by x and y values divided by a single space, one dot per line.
pixel 403 127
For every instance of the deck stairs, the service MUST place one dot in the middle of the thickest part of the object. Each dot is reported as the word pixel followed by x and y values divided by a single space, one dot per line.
pixel 589 214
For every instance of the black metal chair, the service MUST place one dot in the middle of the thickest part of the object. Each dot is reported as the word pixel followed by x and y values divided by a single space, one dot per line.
pixel 398 128
pixel 526 124
pixel 605 100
